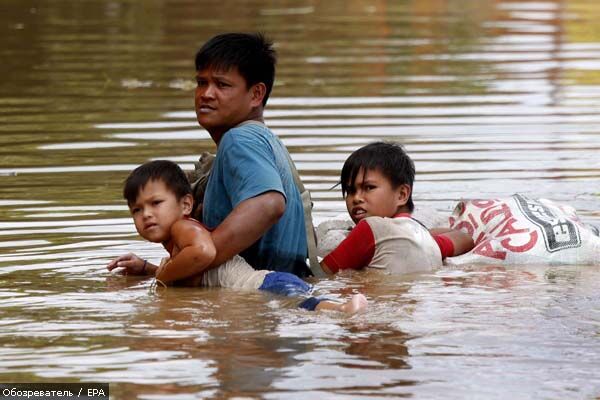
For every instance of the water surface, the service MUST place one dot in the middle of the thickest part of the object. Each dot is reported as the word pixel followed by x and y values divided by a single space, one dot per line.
pixel 489 98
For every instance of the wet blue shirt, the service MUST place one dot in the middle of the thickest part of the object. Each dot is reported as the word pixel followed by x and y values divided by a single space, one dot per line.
pixel 250 161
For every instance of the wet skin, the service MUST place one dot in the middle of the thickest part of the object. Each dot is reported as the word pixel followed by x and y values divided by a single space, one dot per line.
pixel 155 210
pixel 223 100
pixel 372 194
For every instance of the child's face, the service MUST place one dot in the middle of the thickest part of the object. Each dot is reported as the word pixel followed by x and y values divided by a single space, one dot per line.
pixel 156 209
pixel 223 100
pixel 372 195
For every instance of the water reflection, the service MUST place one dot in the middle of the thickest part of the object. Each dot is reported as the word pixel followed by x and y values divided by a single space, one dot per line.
pixel 490 98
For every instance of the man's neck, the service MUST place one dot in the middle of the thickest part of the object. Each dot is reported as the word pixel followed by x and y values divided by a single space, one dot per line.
pixel 217 134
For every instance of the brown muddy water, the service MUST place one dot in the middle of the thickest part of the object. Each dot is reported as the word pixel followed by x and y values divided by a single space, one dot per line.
pixel 489 97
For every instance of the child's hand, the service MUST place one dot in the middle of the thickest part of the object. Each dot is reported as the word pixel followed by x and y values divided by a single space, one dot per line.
pixel 132 264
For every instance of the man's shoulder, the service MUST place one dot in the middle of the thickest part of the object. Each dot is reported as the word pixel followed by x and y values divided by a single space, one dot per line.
pixel 248 142
pixel 243 139
pixel 249 130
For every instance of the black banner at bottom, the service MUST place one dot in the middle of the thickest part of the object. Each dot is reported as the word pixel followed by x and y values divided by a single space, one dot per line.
pixel 54 391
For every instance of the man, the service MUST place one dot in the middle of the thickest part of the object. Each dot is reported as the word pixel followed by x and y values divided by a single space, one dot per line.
pixel 251 201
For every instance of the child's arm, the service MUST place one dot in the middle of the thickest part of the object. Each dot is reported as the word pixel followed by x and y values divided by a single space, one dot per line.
pixel 133 265
pixel 196 251
pixel 354 252
pixel 461 242
pixel 325 268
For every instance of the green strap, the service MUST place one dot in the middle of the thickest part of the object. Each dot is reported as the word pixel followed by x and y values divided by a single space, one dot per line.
pixel 311 239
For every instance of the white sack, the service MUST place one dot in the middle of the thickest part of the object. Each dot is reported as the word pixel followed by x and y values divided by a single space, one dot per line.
pixel 520 230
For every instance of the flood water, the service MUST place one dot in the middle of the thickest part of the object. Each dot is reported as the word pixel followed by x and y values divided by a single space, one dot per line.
pixel 489 97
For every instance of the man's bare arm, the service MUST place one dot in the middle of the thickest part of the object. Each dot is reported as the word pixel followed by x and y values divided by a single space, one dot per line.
pixel 251 219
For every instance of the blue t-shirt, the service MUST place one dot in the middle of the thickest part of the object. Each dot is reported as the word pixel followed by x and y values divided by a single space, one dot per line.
pixel 251 161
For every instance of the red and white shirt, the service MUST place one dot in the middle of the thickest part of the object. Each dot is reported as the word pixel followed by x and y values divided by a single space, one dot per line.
pixel 399 244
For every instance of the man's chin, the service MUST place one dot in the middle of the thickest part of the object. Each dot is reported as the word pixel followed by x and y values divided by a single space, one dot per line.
pixel 214 130
pixel 203 123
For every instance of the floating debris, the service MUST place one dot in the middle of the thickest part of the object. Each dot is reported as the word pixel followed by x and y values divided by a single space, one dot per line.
pixel 135 83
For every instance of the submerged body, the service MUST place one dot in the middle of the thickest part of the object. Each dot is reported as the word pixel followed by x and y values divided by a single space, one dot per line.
pixel 400 245
pixel 160 200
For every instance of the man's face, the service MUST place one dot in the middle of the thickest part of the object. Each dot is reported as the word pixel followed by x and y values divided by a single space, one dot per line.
pixel 372 195
pixel 222 100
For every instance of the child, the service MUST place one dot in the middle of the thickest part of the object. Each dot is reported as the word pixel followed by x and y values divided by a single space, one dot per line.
pixel 159 197
pixel 251 203
pixel 377 182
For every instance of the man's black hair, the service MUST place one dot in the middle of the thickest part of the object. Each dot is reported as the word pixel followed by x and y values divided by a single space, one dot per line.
pixel 160 170
pixel 389 159
pixel 251 53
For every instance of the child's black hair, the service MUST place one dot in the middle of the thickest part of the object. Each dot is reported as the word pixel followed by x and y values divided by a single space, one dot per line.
pixel 388 158
pixel 251 53
pixel 160 170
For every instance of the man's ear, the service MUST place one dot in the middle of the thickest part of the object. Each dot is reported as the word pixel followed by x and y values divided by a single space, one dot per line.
pixel 403 193
pixel 187 203
pixel 258 91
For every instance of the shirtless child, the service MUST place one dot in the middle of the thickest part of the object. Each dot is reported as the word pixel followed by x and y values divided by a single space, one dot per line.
pixel 159 198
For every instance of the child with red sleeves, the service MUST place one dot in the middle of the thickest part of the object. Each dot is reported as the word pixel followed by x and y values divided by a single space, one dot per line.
pixel 377 182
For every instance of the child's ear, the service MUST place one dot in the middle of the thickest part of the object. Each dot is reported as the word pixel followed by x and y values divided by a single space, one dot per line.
pixel 187 203
pixel 403 193
pixel 258 91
